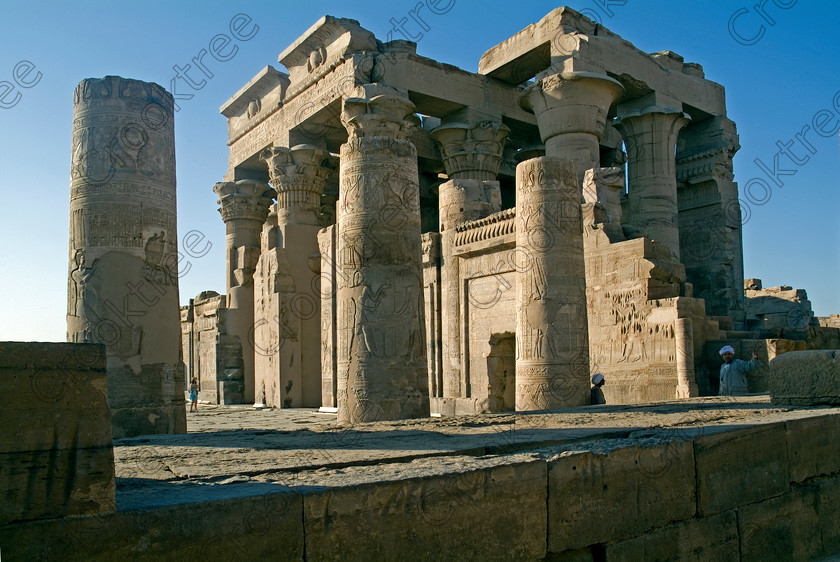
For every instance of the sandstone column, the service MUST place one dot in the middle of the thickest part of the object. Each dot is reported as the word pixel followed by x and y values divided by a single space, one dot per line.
pixel 571 110
pixel 287 308
pixel 381 344
pixel 123 278
pixel 552 359
pixel 684 336
pixel 244 207
pixel 650 135
pixel 472 153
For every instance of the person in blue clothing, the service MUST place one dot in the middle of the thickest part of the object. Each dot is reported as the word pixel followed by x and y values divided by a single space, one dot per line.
pixel 733 372
pixel 193 395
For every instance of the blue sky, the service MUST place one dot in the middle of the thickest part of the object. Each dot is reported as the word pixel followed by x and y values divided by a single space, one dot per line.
pixel 779 77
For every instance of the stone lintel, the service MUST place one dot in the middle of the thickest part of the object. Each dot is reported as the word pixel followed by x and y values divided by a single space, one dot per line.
pixel 264 82
pixel 324 44
pixel 566 39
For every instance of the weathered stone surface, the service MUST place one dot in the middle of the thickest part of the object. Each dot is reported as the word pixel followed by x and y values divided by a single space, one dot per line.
pixel 381 343
pixel 787 527
pixel 706 538
pixel 56 456
pixel 123 278
pixel 813 446
pixel 828 512
pixel 257 528
pixel 433 518
pixel 806 378
pixel 244 206
pixel 552 359
pixel 614 493
pixel 650 135
pixel 738 469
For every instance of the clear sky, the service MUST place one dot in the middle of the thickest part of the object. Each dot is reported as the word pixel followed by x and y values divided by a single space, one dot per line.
pixel 781 71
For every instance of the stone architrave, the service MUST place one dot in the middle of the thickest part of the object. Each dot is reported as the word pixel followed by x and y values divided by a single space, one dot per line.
pixel 381 344
pixel 472 153
pixel 650 135
pixel 571 110
pixel 244 206
pixel 552 356
pixel 123 274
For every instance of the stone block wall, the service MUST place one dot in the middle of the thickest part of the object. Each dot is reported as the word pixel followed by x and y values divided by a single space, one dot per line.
pixel 210 353
pixel 56 456
pixel 763 492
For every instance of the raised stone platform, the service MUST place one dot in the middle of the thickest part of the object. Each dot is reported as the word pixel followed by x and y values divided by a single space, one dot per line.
pixel 701 479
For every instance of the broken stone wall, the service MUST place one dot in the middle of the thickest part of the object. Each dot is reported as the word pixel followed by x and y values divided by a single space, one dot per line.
pixel 211 355
pixel 56 452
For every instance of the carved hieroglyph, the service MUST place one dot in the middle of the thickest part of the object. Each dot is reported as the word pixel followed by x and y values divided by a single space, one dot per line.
pixel 381 335
pixel 123 275
pixel 552 355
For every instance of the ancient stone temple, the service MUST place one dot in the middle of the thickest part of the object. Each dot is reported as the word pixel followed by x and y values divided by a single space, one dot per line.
pixel 123 275
pixel 453 242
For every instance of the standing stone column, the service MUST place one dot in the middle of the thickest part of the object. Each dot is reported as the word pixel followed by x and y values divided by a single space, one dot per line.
pixel 123 278
pixel 244 207
pixel 472 153
pixel 686 381
pixel 381 344
pixel 288 303
pixel 650 136
pixel 552 360
pixel 571 110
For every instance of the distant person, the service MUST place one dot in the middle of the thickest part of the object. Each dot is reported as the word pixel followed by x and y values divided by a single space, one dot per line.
pixel 596 395
pixel 193 395
pixel 733 379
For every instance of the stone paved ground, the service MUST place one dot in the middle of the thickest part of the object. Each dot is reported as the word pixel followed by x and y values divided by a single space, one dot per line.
pixel 233 451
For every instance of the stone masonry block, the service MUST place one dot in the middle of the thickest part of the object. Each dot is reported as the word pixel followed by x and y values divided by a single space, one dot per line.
pixel 707 538
pixel 828 509
pixel 595 497
pixel 813 447
pixel 266 527
pixel 56 452
pixel 495 513
pixel 740 467
pixel 803 378
pixel 786 527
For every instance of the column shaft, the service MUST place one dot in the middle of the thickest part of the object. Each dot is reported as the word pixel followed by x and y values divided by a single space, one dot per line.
pixel 123 278
pixel 650 136
pixel 552 361
pixel 381 344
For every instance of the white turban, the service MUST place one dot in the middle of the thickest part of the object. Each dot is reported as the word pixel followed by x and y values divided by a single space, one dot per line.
pixel 597 378
pixel 726 348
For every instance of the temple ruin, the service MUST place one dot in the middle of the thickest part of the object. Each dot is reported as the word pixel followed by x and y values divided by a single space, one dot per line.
pixel 405 237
